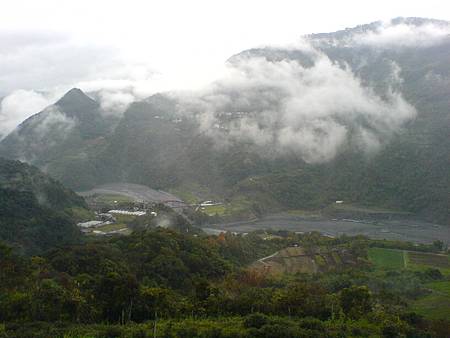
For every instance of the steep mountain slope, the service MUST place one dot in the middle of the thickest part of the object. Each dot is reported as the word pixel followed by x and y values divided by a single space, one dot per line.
pixel 62 138
pixel 405 170
pixel 411 172
pixel 36 212
pixel 155 144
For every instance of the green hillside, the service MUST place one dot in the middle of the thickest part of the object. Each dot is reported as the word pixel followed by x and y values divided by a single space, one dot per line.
pixel 63 139
pixel 36 212
pixel 161 283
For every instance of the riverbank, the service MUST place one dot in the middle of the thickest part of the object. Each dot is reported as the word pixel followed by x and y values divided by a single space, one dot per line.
pixel 398 229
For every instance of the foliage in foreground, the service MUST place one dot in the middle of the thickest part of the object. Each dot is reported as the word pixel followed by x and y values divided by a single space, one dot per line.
pixel 198 286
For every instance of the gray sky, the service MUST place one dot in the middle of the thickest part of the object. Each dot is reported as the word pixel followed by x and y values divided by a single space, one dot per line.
pixel 163 44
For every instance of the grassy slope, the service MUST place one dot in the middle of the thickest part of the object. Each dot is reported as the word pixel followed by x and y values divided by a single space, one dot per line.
pixel 387 258
pixel 435 305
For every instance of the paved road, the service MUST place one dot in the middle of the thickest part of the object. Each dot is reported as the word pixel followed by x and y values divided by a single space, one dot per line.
pixel 405 230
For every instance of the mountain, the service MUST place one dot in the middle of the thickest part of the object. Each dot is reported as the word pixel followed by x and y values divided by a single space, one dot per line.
pixel 155 145
pixel 360 115
pixel 410 172
pixel 36 212
pixel 62 138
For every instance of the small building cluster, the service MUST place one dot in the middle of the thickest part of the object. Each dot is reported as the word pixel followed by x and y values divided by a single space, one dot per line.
pixel 107 218
pixel 91 224
pixel 126 212
pixel 209 203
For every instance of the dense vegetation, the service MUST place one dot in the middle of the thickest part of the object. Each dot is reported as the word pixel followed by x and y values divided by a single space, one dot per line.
pixel 36 212
pixel 166 284
pixel 164 277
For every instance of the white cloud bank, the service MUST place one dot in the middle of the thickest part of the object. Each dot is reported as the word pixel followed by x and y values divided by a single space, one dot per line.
pixel 288 108
pixel 18 106
pixel 312 111
pixel 404 35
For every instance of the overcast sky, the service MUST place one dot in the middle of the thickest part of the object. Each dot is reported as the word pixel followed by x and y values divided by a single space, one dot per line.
pixel 163 44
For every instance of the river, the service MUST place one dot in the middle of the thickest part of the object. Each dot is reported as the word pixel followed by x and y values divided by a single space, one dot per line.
pixel 404 230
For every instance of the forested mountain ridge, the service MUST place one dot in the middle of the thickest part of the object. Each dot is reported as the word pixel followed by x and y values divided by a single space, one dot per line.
pixel 63 138
pixel 230 139
pixel 410 172
pixel 36 212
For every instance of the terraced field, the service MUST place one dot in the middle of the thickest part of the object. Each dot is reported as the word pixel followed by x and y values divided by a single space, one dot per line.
pixel 427 259
pixel 397 259
pixel 293 260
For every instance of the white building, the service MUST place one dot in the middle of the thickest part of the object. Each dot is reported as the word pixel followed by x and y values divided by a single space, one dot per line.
pixel 126 212
pixel 90 224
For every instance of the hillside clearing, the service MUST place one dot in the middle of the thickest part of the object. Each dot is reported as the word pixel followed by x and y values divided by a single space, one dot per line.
pixel 387 258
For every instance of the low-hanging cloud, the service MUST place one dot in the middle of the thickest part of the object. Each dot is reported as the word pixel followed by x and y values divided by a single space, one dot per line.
pixel 285 107
pixel 53 121
pixel 44 131
pixel 404 35
pixel 396 33
pixel 19 105
pixel 37 67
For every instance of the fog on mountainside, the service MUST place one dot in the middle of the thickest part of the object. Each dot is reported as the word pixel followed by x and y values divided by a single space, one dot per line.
pixel 352 104
pixel 304 193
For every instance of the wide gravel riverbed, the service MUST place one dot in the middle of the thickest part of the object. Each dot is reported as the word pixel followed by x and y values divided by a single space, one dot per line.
pixel 405 230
